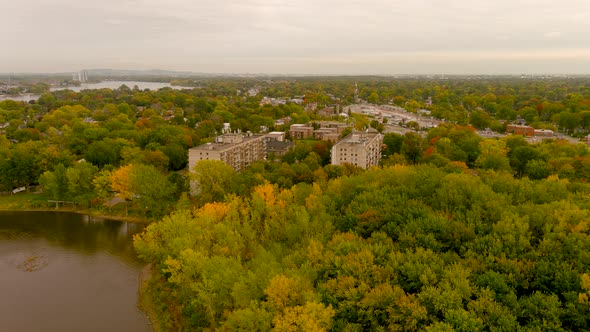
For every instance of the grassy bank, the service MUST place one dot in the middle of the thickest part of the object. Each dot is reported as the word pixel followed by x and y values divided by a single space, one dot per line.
pixel 146 298
pixel 39 202
pixel 164 314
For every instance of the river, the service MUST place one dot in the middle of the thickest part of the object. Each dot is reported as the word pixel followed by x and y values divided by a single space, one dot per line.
pixel 68 272
pixel 101 85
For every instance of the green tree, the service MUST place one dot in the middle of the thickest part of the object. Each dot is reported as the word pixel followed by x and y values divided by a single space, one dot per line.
pixel 493 155
pixel 213 179
pixel 480 119
pixel 412 147
pixel 55 183
pixel 152 190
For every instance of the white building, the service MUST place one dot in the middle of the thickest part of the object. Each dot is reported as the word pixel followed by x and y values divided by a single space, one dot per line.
pixel 362 149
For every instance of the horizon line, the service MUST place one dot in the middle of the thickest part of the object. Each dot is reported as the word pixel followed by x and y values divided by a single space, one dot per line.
pixel 167 72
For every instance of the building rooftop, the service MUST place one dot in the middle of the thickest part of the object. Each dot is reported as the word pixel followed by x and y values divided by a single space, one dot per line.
pixel 220 145
pixel 359 137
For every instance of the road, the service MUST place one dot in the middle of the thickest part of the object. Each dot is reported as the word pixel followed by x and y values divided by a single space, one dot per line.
pixel 396 115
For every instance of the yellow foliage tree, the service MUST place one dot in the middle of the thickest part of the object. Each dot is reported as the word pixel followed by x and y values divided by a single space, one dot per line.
pixel 283 291
pixel 122 184
pixel 311 317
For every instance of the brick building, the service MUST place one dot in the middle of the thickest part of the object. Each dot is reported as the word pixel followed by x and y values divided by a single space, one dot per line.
pixel 520 130
pixel 300 131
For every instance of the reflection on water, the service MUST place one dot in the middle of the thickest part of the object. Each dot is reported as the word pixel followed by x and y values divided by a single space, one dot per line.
pixel 68 272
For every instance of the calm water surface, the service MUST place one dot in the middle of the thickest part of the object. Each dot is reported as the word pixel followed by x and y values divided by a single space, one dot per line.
pixel 68 272
pixel 101 85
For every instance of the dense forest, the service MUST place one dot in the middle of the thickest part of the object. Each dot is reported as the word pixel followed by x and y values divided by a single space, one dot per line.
pixel 452 232
pixel 398 248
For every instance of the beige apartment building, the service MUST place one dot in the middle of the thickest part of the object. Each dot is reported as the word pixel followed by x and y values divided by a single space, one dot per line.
pixel 362 149
pixel 300 131
pixel 236 150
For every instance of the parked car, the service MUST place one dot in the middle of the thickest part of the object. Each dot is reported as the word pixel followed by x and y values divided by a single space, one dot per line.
pixel 18 190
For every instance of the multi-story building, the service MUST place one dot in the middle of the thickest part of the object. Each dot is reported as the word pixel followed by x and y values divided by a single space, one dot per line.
pixel 275 136
pixel 520 130
pixel 236 150
pixel 327 112
pixel 276 145
pixel 326 134
pixel 81 76
pixel 300 131
pixel 362 149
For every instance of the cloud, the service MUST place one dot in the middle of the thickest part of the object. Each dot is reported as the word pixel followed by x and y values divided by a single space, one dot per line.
pixel 196 34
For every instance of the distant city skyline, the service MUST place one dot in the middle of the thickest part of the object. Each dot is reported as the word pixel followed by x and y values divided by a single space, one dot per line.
pixel 320 37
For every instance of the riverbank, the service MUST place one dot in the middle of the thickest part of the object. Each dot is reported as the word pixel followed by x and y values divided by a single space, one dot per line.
pixel 146 299
pixel 38 202
pixel 157 302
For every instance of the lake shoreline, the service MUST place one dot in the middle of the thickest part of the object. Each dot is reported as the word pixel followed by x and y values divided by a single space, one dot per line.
pixel 90 213
pixel 24 203
pixel 145 301
pixel 105 84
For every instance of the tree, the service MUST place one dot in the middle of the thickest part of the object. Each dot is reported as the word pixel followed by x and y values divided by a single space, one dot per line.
pixel 121 183
pixel 520 156
pixel 412 147
pixel 80 178
pixel 102 184
pixel 213 179
pixel 102 153
pixel 24 164
pixel 151 189
pixel 568 121
pixel 493 155
pixel 393 143
pixel 480 119
pixel 177 155
pixel 55 183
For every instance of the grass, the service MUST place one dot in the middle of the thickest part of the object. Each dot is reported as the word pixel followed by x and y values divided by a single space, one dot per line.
pixel 22 201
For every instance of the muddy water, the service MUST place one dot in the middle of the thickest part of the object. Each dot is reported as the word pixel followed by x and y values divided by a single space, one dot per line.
pixel 68 272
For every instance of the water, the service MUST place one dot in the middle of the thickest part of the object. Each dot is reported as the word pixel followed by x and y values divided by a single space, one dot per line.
pixel 117 84
pixel 68 272
pixel 101 85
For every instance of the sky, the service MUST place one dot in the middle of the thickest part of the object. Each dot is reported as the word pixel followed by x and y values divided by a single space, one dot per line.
pixel 383 37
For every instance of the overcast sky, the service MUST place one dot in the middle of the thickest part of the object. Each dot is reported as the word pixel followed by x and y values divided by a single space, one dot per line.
pixel 298 36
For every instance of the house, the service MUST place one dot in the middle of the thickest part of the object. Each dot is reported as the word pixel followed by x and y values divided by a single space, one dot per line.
pixel 311 107
pixel 283 121
pixel 327 112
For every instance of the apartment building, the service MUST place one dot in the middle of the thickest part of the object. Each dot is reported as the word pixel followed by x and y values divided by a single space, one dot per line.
pixel 326 134
pixel 362 149
pixel 236 150
pixel 276 144
pixel 300 131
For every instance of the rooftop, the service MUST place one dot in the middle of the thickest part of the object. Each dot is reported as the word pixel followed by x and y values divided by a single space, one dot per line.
pixel 220 145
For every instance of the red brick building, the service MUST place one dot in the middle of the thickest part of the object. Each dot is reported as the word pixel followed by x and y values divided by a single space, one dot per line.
pixel 520 130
